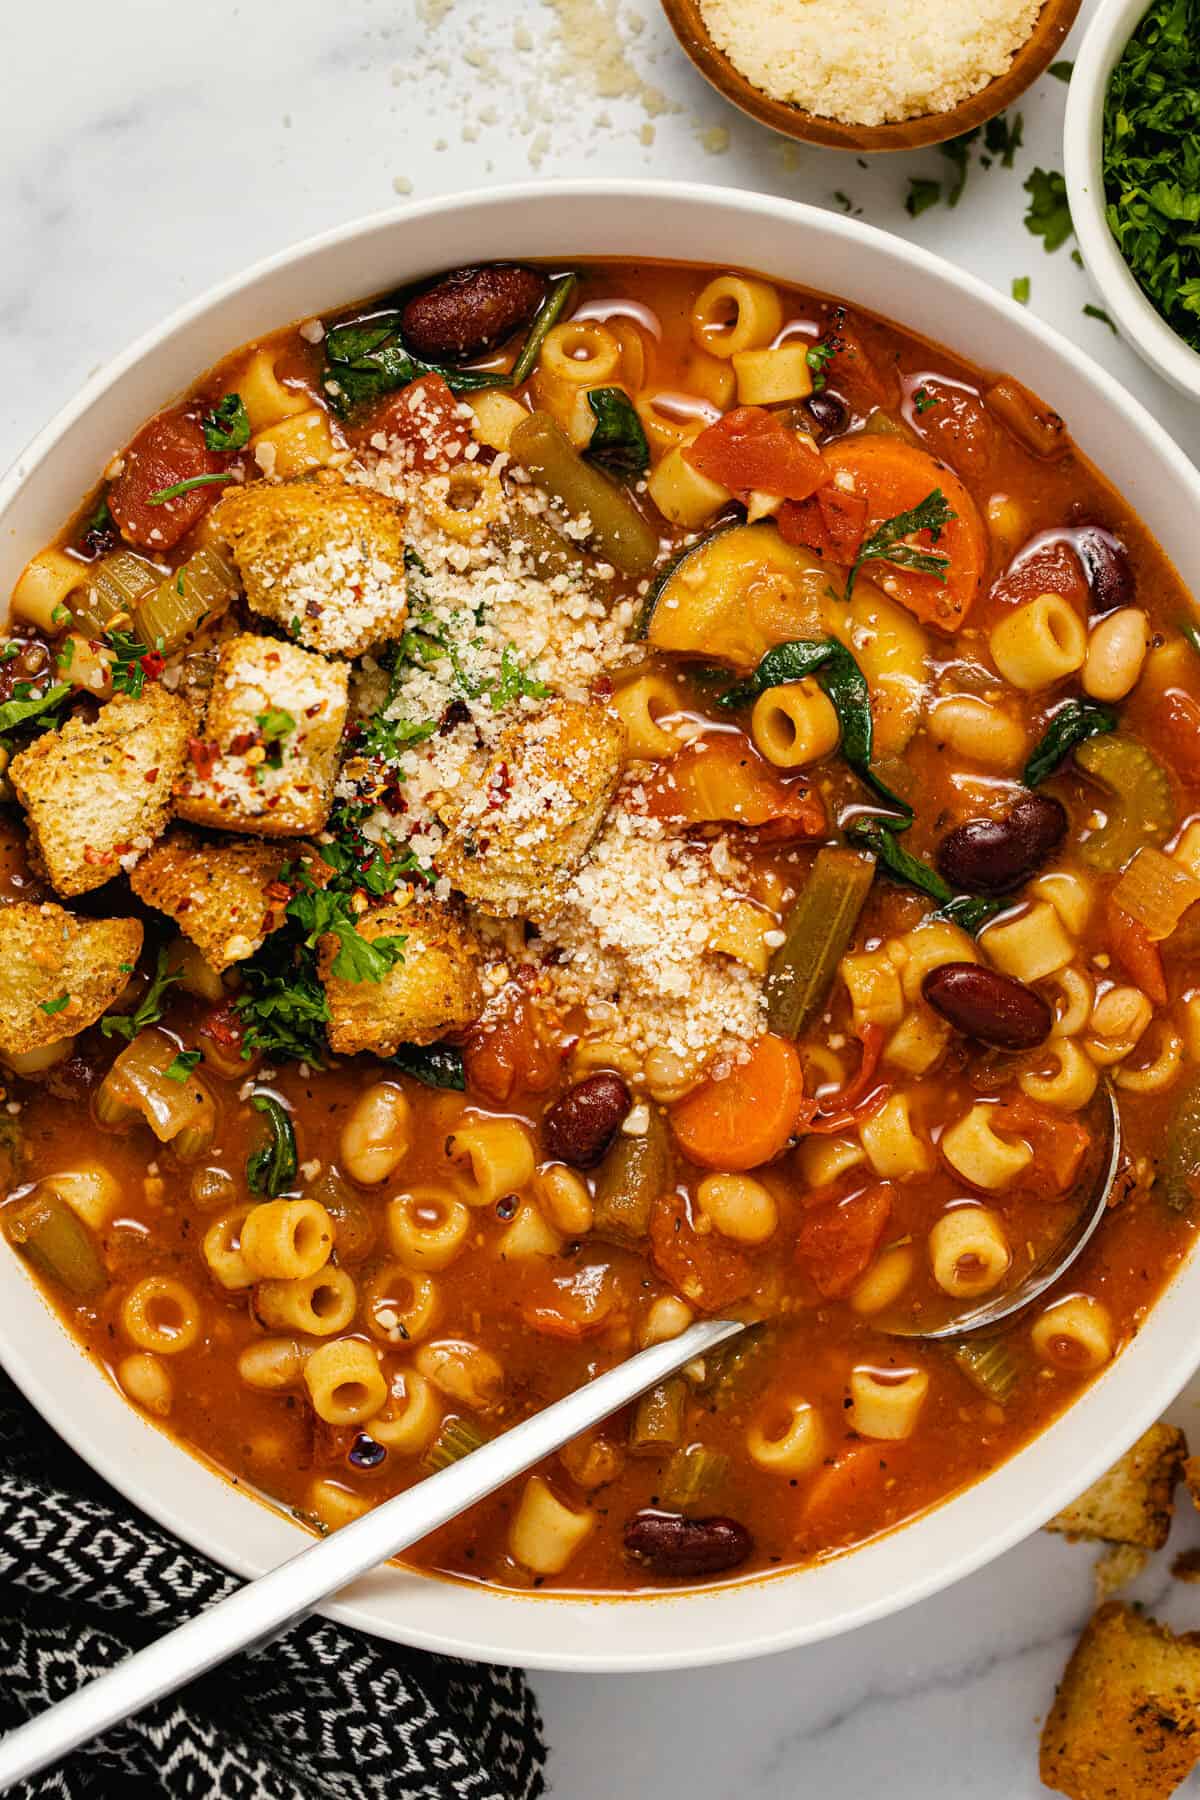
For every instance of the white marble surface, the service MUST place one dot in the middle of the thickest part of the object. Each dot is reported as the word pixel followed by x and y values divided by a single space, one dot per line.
pixel 149 150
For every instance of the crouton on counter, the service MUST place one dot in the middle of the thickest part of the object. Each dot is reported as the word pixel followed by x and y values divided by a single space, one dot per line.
pixel 1133 1502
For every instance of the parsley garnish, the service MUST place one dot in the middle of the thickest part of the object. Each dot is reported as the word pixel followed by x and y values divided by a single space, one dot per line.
pixel 150 1008
pixel 56 1006
pixel 271 1169
pixel 1003 139
pixel 922 194
pixel 275 726
pixel 958 151
pixel 128 674
pixel 817 356
pixel 181 1066
pixel 327 912
pixel 26 705
pixel 227 426
pixel 1062 71
pixel 11 649
pixel 1098 312
pixel 513 683
pixel 923 400
pixel 886 543
pixel 1048 214
pixel 64 656
pixel 185 487
pixel 384 737
pixel 1020 289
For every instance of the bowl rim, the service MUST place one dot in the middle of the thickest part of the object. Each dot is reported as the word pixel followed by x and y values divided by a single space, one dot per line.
pixel 741 1619
pixel 1141 324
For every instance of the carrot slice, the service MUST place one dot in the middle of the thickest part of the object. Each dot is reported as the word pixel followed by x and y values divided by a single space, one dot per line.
pixel 1179 721
pixel 752 448
pixel 836 1243
pixel 721 779
pixel 843 1484
pixel 1141 960
pixel 744 1118
pixel 893 477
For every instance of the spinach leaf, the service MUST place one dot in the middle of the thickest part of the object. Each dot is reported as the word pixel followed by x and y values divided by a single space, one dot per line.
pixel 271 1169
pixel 227 426
pixel 548 315
pixel 846 686
pixel 150 1008
pixel 1048 214
pixel 367 358
pixel 886 542
pixel 437 1065
pixel 618 442
pixel 26 705
pixel 1072 724
pixel 964 909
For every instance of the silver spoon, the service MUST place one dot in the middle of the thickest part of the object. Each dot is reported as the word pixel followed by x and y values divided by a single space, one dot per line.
pixel 267 1606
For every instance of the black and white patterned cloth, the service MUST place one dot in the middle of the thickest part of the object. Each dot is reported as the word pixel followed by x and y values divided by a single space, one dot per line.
pixel 321 1714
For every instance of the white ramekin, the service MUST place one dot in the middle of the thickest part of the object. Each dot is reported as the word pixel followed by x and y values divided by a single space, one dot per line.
pixel 1138 321
pixel 559 221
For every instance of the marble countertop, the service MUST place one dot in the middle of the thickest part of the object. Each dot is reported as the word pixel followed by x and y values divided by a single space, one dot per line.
pixel 150 151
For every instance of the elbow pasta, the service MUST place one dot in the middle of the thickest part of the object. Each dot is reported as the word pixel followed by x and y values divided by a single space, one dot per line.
pixel 266 399
pixel 162 1315
pixel 1072 1080
pixel 286 1239
pixel 426 1228
pixel 736 313
pixel 641 705
pixel 490 1158
pixel 344 1382
pixel 885 1280
pixel 1029 947
pixel 401 1304
pixel 788 1444
pixel 319 1305
pixel 46 585
pixel 886 1405
pixel 681 493
pixel 795 725
pixel 545 1533
pixel 294 446
pixel 1075 1334
pixel 223 1249
pixel 974 1150
pixel 1039 644
pixel 893 1148
pixel 769 377
pixel 968 1251
pixel 408 1421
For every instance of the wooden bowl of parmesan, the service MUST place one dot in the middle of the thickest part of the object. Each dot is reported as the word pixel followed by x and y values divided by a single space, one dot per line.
pixel 871 75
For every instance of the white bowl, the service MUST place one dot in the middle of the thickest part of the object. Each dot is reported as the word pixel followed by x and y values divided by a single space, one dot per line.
pixel 1140 324
pixel 560 220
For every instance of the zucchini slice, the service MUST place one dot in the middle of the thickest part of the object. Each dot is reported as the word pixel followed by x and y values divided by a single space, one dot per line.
pixel 735 594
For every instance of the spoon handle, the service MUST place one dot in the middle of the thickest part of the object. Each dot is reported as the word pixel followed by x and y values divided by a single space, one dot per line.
pixel 263 1608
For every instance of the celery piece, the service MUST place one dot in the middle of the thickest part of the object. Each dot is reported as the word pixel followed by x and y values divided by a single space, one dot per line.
pixel 1145 810
pixel 115 587
pixel 693 1474
pixel 456 1438
pixel 989 1366
pixel 200 588
pixel 57 1243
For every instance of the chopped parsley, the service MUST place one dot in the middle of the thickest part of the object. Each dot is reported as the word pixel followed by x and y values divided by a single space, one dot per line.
pixel 887 542
pixel 1004 140
pixel 818 356
pixel 329 912
pixel 128 669
pixel 513 683
pixel 150 1008
pixel 923 400
pixel 1020 289
pixel 275 727
pixel 185 487
pixel 1151 161
pixel 922 194
pixel 1098 312
pixel 958 152
pixel 1048 214
pixel 181 1066
pixel 56 1006
pixel 227 426
pixel 384 737
pixel 64 656
pixel 11 649
pixel 1062 71
pixel 844 201
pixel 26 705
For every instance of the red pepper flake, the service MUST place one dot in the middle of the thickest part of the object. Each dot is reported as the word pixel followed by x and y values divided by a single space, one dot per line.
pixel 278 890
pixel 152 664
pixel 245 740
pixel 204 756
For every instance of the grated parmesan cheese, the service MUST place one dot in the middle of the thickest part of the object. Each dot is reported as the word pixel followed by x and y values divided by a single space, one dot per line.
pixel 868 62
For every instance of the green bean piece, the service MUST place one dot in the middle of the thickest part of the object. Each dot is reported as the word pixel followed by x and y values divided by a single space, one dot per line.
pixel 630 1179
pixel 657 1422
pixel 693 1474
pixel 548 315
pixel 199 589
pixel 545 550
pixel 990 1367
pixel 1144 812
pixel 57 1243
pixel 1178 1180
pixel 456 1438
pixel 737 1367
pixel 115 587
pixel 617 529
pixel 817 934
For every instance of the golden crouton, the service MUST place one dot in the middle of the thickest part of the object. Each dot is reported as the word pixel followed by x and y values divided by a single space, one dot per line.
pixel 1134 1501
pixel 527 824
pixel 267 760
pixel 433 989
pixel 321 557
pixel 98 794
pixel 1125 1724
pixel 226 896
pixel 58 973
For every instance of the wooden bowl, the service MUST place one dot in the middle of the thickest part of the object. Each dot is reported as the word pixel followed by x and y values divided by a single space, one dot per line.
pixel 1054 22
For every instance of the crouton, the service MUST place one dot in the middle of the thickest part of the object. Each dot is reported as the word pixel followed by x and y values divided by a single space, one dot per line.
pixel 433 990
pixel 58 973
pixel 267 760
pixel 527 825
pixel 1186 1566
pixel 1125 1724
pixel 321 557
pixel 96 795
pixel 1134 1501
pixel 1191 1479
pixel 1115 1567
pixel 227 897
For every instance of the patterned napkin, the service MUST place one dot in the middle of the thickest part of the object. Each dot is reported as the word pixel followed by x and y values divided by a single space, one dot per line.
pixel 321 1714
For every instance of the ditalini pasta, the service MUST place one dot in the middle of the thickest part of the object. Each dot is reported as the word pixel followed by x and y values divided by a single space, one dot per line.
pixel 561 801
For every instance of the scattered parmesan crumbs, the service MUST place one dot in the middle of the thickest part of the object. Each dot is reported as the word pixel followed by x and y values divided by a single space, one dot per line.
pixel 871 61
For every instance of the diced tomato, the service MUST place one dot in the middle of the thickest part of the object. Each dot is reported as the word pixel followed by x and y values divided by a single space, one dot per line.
pixel 1047 566
pixel 505 1054
pixel 845 1484
pixel 831 522
pixel 420 422
pixel 1141 960
pixel 751 448
pixel 1059 1144
pixel 836 1243
pixel 1178 718
pixel 853 371
pixel 168 450
pixel 721 779
pixel 708 1271
pixel 573 1306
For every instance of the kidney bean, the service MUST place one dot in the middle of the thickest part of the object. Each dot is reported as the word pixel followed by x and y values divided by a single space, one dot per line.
pixel 994 856
pixel 1107 567
pixel 583 1123
pixel 471 310
pixel 828 413
pixel 669 1544
pixel 982 1003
